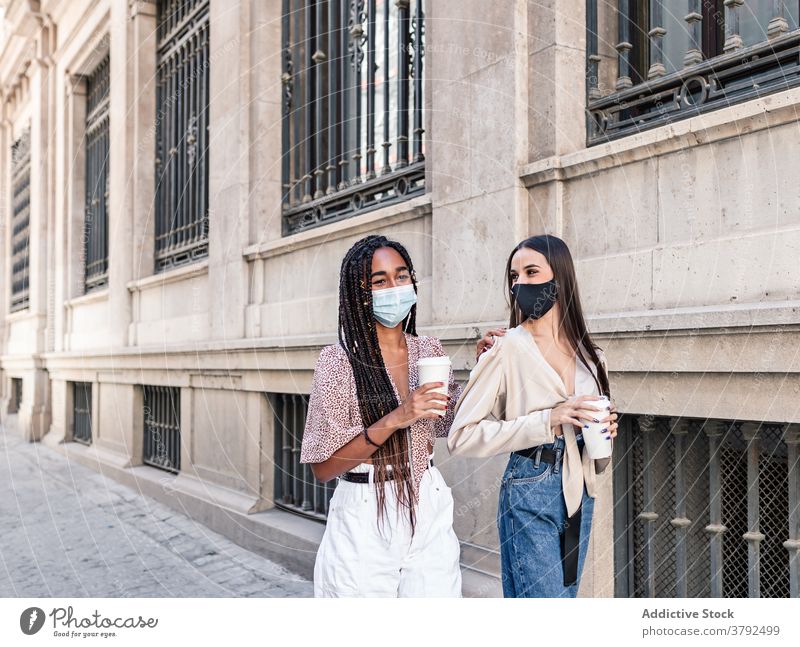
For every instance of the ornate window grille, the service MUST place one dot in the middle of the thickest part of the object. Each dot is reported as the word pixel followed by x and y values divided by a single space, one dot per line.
pixel 96 218
pixel 82 412
pixel 679 58
pixel 352 107
pixel 706 508
pixel 20 220
pixel 182 63
pixel 296 489
pixel 162 427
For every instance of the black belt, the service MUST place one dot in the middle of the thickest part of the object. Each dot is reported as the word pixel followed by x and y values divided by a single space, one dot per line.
pixel 363 477
pixel 547 455
pixel 571 535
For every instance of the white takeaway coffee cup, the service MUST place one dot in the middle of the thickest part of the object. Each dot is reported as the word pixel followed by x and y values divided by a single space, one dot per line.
pixel 434 369
pixel 594 437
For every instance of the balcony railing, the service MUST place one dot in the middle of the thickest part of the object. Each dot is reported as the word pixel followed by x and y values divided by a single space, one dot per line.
pixel 672 59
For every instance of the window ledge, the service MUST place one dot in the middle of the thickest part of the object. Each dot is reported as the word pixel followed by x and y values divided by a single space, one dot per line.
pixel 734 318
pixel 90 297
pixel 717 125
pixel 21 315
pixel 741 319
pixel 390 215
pixel 734 77
pixel 181 273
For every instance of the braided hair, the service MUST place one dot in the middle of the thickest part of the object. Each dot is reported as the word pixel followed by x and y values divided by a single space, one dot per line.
pixel 376 397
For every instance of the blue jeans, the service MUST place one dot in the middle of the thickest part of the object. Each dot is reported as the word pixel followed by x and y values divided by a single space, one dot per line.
pixel 531 516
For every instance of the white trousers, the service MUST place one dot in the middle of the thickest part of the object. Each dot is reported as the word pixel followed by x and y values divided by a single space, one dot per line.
pixel 358 559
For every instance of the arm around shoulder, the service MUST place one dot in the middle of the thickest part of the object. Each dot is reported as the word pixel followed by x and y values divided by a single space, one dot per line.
pixel 454 390
pixel 478 429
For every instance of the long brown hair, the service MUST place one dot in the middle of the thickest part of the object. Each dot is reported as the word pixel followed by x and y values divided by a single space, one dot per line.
pixel 358 336
pixel 572 321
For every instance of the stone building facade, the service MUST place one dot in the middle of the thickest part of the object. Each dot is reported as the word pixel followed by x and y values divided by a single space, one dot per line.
pixel 172 224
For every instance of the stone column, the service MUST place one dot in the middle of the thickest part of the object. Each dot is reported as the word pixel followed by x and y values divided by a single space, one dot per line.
pixel 266 112
pixel 48 45
pixel 131 155
pixel 37 303
pixel 34 418
pixel 478 70
pixel 556 99
pixel 5 239
pixel 230 149
pixel 69 248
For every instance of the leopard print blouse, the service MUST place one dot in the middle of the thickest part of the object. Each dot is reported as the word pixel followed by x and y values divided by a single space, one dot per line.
pixel 334 418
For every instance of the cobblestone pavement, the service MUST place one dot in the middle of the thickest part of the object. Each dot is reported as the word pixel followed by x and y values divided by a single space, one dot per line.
pixel 68 531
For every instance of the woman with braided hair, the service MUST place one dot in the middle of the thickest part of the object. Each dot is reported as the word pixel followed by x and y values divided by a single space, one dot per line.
pixel 390 520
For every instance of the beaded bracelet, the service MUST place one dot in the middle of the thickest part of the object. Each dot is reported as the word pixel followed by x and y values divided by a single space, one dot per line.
pixel 368 439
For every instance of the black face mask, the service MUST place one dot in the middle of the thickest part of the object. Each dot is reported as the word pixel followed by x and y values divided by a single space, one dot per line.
pixel 535 299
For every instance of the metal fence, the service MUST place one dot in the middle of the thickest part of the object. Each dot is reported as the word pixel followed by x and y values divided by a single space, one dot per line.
pixel 15 402
pixel 296 489
pixel 97 140
pixel 162 427
pixel 20 220
pixel 353 107
pixel 706 508
pixel 675 59
pixel 182 66
pixel 82 412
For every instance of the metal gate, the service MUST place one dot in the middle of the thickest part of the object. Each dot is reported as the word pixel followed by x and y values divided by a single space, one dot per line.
pixel 706 508
pixel 296 489
pixel 82 412
pixel 162 427
pixel 16 395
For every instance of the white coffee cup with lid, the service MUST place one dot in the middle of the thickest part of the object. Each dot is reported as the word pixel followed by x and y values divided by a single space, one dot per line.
pixel 594 437
pixel 434 369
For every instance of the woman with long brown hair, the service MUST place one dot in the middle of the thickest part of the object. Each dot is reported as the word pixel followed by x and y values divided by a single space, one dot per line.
pixel 390 522
pixel 528 395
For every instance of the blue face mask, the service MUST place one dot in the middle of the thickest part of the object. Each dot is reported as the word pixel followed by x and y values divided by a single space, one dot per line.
pixel 391 305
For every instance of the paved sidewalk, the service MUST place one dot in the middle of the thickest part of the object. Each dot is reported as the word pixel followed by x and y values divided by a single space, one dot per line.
pixel 68 531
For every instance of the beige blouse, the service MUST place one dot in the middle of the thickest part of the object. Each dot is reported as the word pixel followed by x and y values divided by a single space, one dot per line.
pixel 506 406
